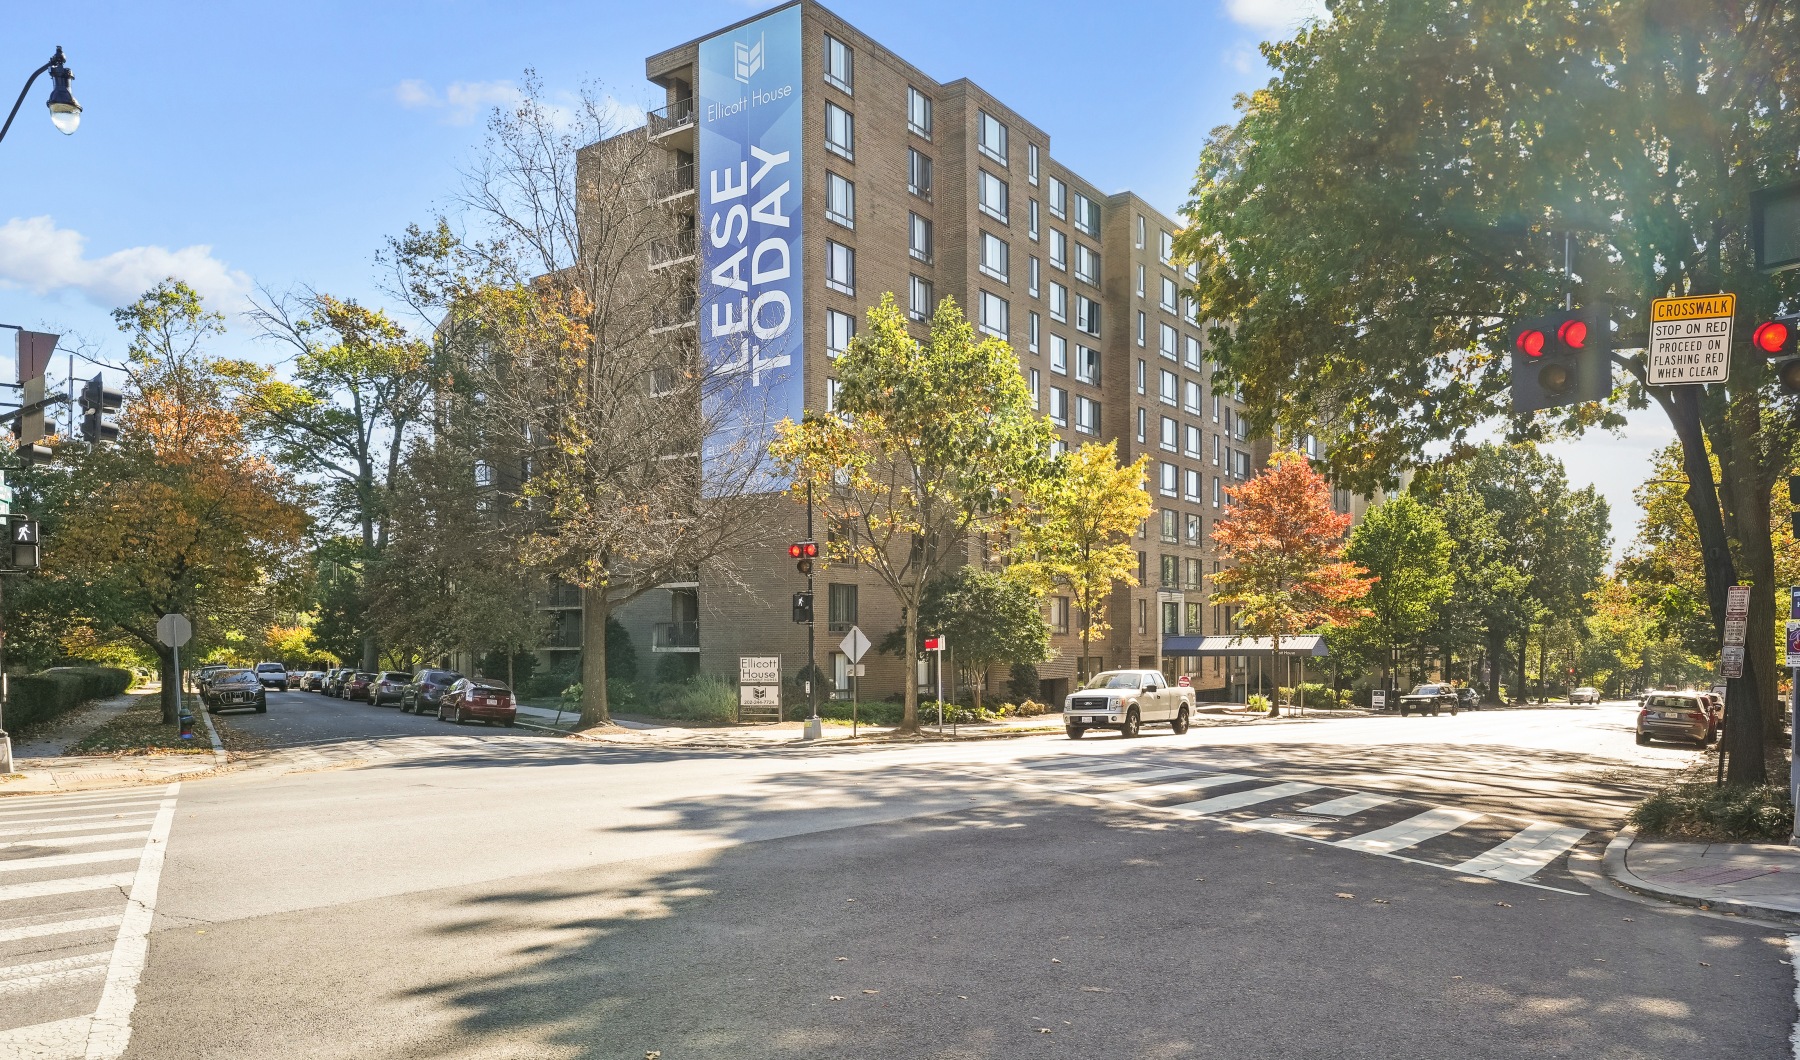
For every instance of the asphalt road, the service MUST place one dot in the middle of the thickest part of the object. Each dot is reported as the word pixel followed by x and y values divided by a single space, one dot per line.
pixel 297 719
pixel 532 898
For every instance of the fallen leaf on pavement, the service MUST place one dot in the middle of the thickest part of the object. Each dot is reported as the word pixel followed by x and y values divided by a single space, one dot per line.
pixel 1628 920
pixel 1504 905
pixel 871 991
pixel 834 997
pixel 1345 894
pixel 1703 964
pixel 962 997
pixel 1056 960
pixel 1456 977
pixel 843 958
pixel 1043 1030
pixel 653 1054
pixel 1379 901
pixel 1602 960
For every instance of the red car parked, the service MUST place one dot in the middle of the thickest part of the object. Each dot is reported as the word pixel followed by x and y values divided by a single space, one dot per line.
pixel 356 686
pixel 477 699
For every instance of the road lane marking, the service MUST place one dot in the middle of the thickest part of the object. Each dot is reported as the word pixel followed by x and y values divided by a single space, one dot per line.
pixel 57 1040
pixel 13 972
pixel 10 813
pixel 1793 942
pixel 1140 775
pixel 1525 854
pixel 50 824
pixel 1410 832
pixel 110 1032
pixel 72 885
pixel 56 861
pixel 61 927
pixel 1350 804
pixel 1237 799
pixel 68 840
pixel 1180 787
pixel 1091 766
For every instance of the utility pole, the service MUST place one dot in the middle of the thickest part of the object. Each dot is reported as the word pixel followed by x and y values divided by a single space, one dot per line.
pixel 812 667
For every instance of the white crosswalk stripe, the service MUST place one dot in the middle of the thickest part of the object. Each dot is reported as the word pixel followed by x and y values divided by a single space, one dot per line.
pixel 1410 832
pixel 1240 799
pixel 74 927
pixel 1525 853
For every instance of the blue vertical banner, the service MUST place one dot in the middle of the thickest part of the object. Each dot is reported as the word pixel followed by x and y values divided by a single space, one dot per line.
pixel 752 297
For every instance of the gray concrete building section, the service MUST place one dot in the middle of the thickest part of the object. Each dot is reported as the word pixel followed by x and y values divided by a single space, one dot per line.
pixel 942 190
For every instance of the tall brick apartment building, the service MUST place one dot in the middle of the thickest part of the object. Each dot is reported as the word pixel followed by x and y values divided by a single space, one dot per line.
pixel 928 189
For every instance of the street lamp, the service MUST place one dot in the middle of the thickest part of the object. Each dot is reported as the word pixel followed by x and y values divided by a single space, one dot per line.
pixel 65 113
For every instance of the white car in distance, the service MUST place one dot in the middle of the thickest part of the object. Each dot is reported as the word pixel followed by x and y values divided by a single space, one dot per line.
pixel 1127 700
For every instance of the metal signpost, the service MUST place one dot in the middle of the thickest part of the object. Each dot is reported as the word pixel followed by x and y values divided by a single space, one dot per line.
pixel 174 631
pixel 1793 662
pixel 1690 339
pixel 854 645
pixel 1731 657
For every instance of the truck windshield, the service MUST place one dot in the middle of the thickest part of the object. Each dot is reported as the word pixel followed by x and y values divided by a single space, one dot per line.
pixel 1112 680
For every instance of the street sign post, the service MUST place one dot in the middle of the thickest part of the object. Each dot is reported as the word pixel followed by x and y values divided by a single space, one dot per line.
pixel 174 631
pixel 1690 339
pixel 1737 619
pixel 854 645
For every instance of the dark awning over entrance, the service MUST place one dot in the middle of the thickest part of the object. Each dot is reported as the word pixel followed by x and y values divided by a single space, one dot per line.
pixel 1309 645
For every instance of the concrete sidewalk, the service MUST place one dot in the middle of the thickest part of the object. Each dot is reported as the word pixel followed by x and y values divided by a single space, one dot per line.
pixel 43 767
pixel 1749 879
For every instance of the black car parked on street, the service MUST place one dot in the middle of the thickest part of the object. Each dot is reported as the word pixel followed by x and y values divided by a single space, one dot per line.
pixel 426 690
pixel 236 690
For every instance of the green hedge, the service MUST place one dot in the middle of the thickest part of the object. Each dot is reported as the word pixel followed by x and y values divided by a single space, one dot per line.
pixel 43 696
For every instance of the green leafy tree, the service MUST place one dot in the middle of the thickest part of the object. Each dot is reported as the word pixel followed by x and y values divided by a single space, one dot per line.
pixel 1403 544
pixel 934 447
pixel 989 617
pixel 1080 536
pixel 1473 142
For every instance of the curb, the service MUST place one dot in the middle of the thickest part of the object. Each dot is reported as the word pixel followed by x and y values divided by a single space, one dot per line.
pixel 220 758
pixel 1613 864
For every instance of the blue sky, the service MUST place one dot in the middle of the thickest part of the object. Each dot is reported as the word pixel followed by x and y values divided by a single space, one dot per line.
pixel 245 145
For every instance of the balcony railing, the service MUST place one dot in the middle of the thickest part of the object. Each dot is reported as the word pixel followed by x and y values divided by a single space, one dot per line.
pixel 678 181
pixel 665 252
pixel 672 118
pixel 675 636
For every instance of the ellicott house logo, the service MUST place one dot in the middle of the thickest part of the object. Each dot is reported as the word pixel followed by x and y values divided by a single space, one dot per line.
pixel 747 59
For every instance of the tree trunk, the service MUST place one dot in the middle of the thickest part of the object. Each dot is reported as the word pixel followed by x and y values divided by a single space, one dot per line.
pixel 909 717
pixel 594 613
pixel 165 658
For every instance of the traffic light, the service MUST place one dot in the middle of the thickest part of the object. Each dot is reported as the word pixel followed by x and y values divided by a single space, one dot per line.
pixel 35 453
pixel 1779 341
pixel 25 554
pixel 805 552
pixel 99 406
pixel 803 611
pixel 1562 359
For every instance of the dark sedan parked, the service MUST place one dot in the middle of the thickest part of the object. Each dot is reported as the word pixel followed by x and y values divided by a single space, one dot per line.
pixel 388 687
pixel 334 681
pixel 477 699
pixel 426 690
pixel 312 680
pixel 236 690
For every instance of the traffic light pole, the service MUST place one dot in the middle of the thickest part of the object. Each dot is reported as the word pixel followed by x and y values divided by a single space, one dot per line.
pixel 812 668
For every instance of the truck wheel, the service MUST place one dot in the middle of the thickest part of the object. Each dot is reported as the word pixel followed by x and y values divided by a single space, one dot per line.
pixel 1404 712
pixel 1131 724
pixel 1076 732
pixel 1180 724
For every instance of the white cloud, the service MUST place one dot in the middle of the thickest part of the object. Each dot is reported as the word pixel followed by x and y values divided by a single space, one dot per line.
pixel 461 102
pixel 42 258
pixel 1279 15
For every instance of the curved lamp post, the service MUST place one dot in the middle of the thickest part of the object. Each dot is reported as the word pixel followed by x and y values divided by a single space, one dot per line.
pixel 65 113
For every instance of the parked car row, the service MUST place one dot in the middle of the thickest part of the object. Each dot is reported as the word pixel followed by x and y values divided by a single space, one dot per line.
pixel 445 693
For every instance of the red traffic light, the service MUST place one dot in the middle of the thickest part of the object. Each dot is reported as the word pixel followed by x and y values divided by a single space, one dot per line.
pixel 1772 337
pixel 1573 333
pixel 803 548
pixel 794 551
pixel 811 547
pixel 1531 342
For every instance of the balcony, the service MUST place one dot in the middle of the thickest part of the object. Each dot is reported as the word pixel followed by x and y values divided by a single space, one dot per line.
pixel 665 121
pixel 679 181
pixel 675 637
pixel 672 251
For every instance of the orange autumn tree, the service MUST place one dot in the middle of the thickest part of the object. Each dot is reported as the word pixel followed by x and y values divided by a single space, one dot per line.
pixel 1286 543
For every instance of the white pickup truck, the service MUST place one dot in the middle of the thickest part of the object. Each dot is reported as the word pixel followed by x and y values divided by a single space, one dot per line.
pixel 1127 700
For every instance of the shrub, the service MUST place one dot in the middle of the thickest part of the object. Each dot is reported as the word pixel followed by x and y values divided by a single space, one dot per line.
pixel 1322 697
pixel 548 684
pixel 1024 684
pixel 676 668
pixel 43 696
pixel 1708 811
pixel 699 699
pixel 1258 703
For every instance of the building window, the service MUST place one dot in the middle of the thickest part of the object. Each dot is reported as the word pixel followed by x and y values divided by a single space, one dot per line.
pixel 1139 240
pixel 1140 281
pixel 1168 294
pixel 1191 485
pixel 1170 526
pixel 1059 406
pixel 1218 492
pixel 841 606
pixel 1031 219
pixel 1216 446
pixel 1215 403
pixel 918 112
pixel 1191 444
pixel 1087 415
pixel 1169 577
pixel 1140 376
pixel 918 299
pixel 1140 327
pixel 1168 248
pixel 832 389
pixel 837 63
pixel 1171 614
pixel 840 200
pixel 1059 355
pixel 1190 396
pixel 1035 381
pixel 1167 341
pixel 1031 163
pixel 990 136
pixel 1087 265
pixel 840 328
pixel 840 131
pixel 662 384
pixel 1087 314
pixel 1143 622
pixel 992 200
pixel 1031 277
pixel 1166 383
pixel 918 237
pixel 1059 303
pixel 1059 614
pixel 918 173
pixel 1193 617
pixel 993 315
pixel 1031 334
pixel 1167 479
pixel 1193 538
pixel 1167 437
pixel 1059 198
pixel 1143 422
pixel 840 268
pixel 995 255
pixel 1087 215
pixel 1059 250
pixel 1240 463
pixel 1193 353
pixel 1087 365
